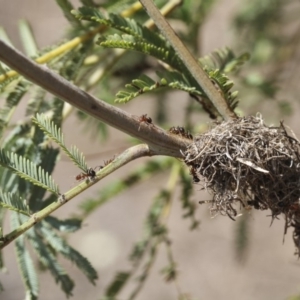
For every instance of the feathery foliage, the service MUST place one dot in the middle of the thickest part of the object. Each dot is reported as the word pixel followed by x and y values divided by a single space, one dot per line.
pixel 129 42
pixel 67 225
pixel 139 38
pixel 51 130
pixel 116 285
pixel 145 84
pixel 12 101
pixel 25 263
pixel 224 60
pixel 59 245
pixel 48 260
pixel 14 203
pixel 188 206
pixel 28 171
pixel 126 25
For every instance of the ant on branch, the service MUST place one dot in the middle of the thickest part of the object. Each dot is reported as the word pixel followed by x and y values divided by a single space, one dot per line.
pixel 145 119
pixel 107 162
pixel 88 174
pixel 181 131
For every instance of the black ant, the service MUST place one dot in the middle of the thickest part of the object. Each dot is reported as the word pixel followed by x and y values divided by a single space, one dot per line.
pixel 89 174
pixel 181 131
pixel 193 172
pixel 107 162
pixel 145 119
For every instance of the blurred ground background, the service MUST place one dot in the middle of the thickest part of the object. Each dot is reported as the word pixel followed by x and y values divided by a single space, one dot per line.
pixel 206 257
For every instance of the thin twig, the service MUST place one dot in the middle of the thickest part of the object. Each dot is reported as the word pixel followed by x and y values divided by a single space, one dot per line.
pixel 124 158
pixel 189 61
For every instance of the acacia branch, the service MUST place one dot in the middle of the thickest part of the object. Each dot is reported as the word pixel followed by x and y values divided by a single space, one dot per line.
pixel 159 141
pixel 127 156
pixel 190 62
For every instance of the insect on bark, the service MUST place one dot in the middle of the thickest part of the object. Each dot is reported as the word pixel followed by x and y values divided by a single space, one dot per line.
pixel 89 174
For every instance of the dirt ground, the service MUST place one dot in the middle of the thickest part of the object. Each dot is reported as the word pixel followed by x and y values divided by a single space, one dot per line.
pixel 206 257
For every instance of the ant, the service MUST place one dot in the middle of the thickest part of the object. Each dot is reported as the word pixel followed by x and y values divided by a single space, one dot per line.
pixel 193 172
pixel 107 162
pixel 181 131
pixel 145 119
pixel 89 174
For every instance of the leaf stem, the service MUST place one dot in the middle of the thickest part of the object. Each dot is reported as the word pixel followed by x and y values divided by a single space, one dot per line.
pixel 189 61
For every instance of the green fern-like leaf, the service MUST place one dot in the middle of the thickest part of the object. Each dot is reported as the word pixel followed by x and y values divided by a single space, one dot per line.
pixel 28 170
pixel 161 51
pixel 138 86
pixel 50 129
pixel 129 42
pixel 136 36
pixel 73 60
pixel 223 84
pixel 68 225
pixel 178 81
pixel 224 60
pixel 125 25
pixel 49 260
pixel 188 205
pixel 236 63
pixel 37 103
pixel 145 84
pixel 70 253
pixel 118 283
pixel 11 102
pixel 26 264
pixel 47 158
pixel 14 203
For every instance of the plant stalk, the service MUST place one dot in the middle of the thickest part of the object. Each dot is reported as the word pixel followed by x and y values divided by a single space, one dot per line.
pixel 190 62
